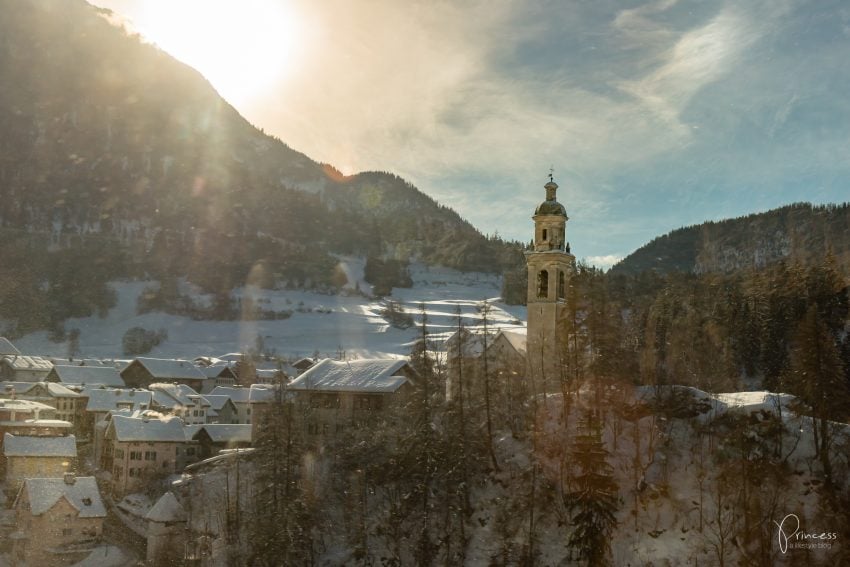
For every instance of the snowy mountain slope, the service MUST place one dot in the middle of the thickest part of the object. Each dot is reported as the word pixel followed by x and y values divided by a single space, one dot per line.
pixel 324 323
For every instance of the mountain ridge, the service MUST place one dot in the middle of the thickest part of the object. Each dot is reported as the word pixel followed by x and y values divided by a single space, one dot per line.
pixel 799 232
pixel 118 157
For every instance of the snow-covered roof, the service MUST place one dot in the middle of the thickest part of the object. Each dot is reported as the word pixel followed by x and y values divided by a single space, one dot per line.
pixel 25 388
pixel 259 393
pixel 227 432
pixel 238 395
pixel 231 357
pixel 177 395
pixel 24 446
pixel 80 492
pixel 171 368
pixel 24 406
pixel 54 423
pixel 7 347
pixel 22 362
pixel 365 375
pixel 106 375
pixel 215 370
pixel 518 339
pixel 217 402
pixel 108 399
pixel 269 373
pixel 167 509
pixel 150 430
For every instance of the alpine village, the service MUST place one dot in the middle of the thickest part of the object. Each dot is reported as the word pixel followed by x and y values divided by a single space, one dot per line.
pixel 338 370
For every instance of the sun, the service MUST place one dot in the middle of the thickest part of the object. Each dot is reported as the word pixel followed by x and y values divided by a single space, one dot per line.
pixel 243 47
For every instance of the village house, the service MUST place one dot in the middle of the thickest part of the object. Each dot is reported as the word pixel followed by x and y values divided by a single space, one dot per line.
pixel 141 450
pixel 143 372
pixel 352 394
pixel 22 368
pixel 179 400
pixel 34 419
pixel 240 398
pixel 77 375
pixel 37 457
pixel 69 404
pixel 213 438
pixel 101 402
pixel 59 520
pixel 506 360
pixel 217 375
pixel 221 410
pixel 166 530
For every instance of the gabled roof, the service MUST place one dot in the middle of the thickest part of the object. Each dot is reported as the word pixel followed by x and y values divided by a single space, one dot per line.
pixel 7 347
pixel 226 432
pixel 81 493
pixel 25 388
pixel 106 375
pixel 21 362
pixel 216 370
pixel 24 446
pixel 161 368
pixel 238 395
pixel 217 402
pixel 177 395
pixel 167 509
pixel 150 430
pixel 517 339
pixel 366 375
pixel 108 399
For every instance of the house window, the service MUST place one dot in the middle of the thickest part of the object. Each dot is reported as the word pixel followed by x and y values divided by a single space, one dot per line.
pixel 313 429
pixel 190 451
pixel 135 455
pixel 150 455
pixel 543 284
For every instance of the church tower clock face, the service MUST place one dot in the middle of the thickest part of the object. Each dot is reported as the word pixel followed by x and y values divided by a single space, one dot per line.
pixel 550 267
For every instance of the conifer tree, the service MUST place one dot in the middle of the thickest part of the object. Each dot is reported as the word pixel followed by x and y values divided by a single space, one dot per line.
pixel 593 502
pixel 281 522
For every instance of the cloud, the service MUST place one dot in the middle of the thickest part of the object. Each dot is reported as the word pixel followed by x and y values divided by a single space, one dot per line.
pixel 604 262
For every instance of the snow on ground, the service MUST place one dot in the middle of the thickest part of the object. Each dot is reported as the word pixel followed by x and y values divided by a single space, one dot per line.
pixel 327 323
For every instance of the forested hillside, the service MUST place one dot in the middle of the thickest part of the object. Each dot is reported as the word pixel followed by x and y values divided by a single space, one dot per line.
pixel 801 233
pixel 118 161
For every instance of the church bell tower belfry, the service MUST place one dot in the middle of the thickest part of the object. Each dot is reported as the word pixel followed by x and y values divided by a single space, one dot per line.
pixel 550 267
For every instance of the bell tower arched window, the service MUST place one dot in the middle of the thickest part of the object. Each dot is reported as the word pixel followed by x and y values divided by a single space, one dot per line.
pixel 562 285
pixel 543 284
pixel 545 234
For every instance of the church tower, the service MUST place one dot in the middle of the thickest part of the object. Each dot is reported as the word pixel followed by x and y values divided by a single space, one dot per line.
pixel 550 266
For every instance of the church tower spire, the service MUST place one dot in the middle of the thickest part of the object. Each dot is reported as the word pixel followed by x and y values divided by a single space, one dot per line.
pixel 550 267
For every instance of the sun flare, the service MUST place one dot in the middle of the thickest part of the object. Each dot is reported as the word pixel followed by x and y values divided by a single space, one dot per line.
pixel 242 47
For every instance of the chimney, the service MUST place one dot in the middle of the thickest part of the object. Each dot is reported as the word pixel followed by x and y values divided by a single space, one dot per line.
pixel 70 478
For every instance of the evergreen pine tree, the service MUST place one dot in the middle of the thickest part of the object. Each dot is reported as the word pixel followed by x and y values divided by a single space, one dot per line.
pixel 593 502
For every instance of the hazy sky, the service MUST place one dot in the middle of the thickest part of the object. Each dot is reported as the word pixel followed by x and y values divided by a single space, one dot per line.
pixel 655 115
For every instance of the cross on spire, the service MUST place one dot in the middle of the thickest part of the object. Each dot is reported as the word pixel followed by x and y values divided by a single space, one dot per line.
pixel 552 173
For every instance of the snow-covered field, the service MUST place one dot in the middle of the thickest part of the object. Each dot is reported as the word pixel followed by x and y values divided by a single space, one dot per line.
pixel 324 323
